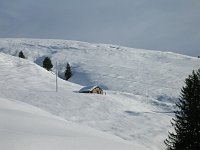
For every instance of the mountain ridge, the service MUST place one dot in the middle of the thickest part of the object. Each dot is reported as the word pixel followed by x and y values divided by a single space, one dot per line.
pixel 93 43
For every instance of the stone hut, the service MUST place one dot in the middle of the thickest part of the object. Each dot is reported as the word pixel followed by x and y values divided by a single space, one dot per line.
pixel 91 89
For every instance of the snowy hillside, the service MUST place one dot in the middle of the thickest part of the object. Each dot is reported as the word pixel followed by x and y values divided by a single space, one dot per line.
pixel 138 119
pixel 143 86
pixel 25 127
pixel 117 68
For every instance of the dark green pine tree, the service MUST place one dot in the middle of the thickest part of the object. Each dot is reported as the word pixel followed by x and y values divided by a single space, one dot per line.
pixel 47 63
pixel 21 55
pixel 68 72
pixel 187 118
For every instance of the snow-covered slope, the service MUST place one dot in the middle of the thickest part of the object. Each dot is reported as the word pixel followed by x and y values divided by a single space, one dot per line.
pixel 135 118
pixel 24 127
pixel 136 71
pixel 144 85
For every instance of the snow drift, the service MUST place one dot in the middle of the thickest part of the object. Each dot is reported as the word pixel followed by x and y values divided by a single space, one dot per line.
pixel 25 127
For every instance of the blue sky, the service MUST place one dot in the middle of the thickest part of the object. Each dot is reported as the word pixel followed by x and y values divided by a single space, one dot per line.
pixel 167 25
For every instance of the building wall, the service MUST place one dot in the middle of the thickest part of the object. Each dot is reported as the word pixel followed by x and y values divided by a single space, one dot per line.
pixel 97 90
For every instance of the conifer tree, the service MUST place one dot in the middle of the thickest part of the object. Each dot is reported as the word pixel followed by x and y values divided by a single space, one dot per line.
pixel 187 118
pixel 21 55
pixel 47 63
pixel 68 72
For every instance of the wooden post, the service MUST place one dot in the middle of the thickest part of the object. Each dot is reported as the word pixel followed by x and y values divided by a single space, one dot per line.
pixel 56 77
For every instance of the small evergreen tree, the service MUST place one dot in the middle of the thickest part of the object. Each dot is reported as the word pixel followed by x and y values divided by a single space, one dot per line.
pixel 47 63
pixel 21 55
pixel 68 72
pixel 187 118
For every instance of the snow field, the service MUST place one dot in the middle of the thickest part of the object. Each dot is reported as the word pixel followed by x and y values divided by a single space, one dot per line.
pixel 142 86
pixel 117 68
pixel 25 127
pixel 126 115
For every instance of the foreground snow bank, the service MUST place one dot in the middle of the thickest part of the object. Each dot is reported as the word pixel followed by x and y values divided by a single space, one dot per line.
pixel 24 127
